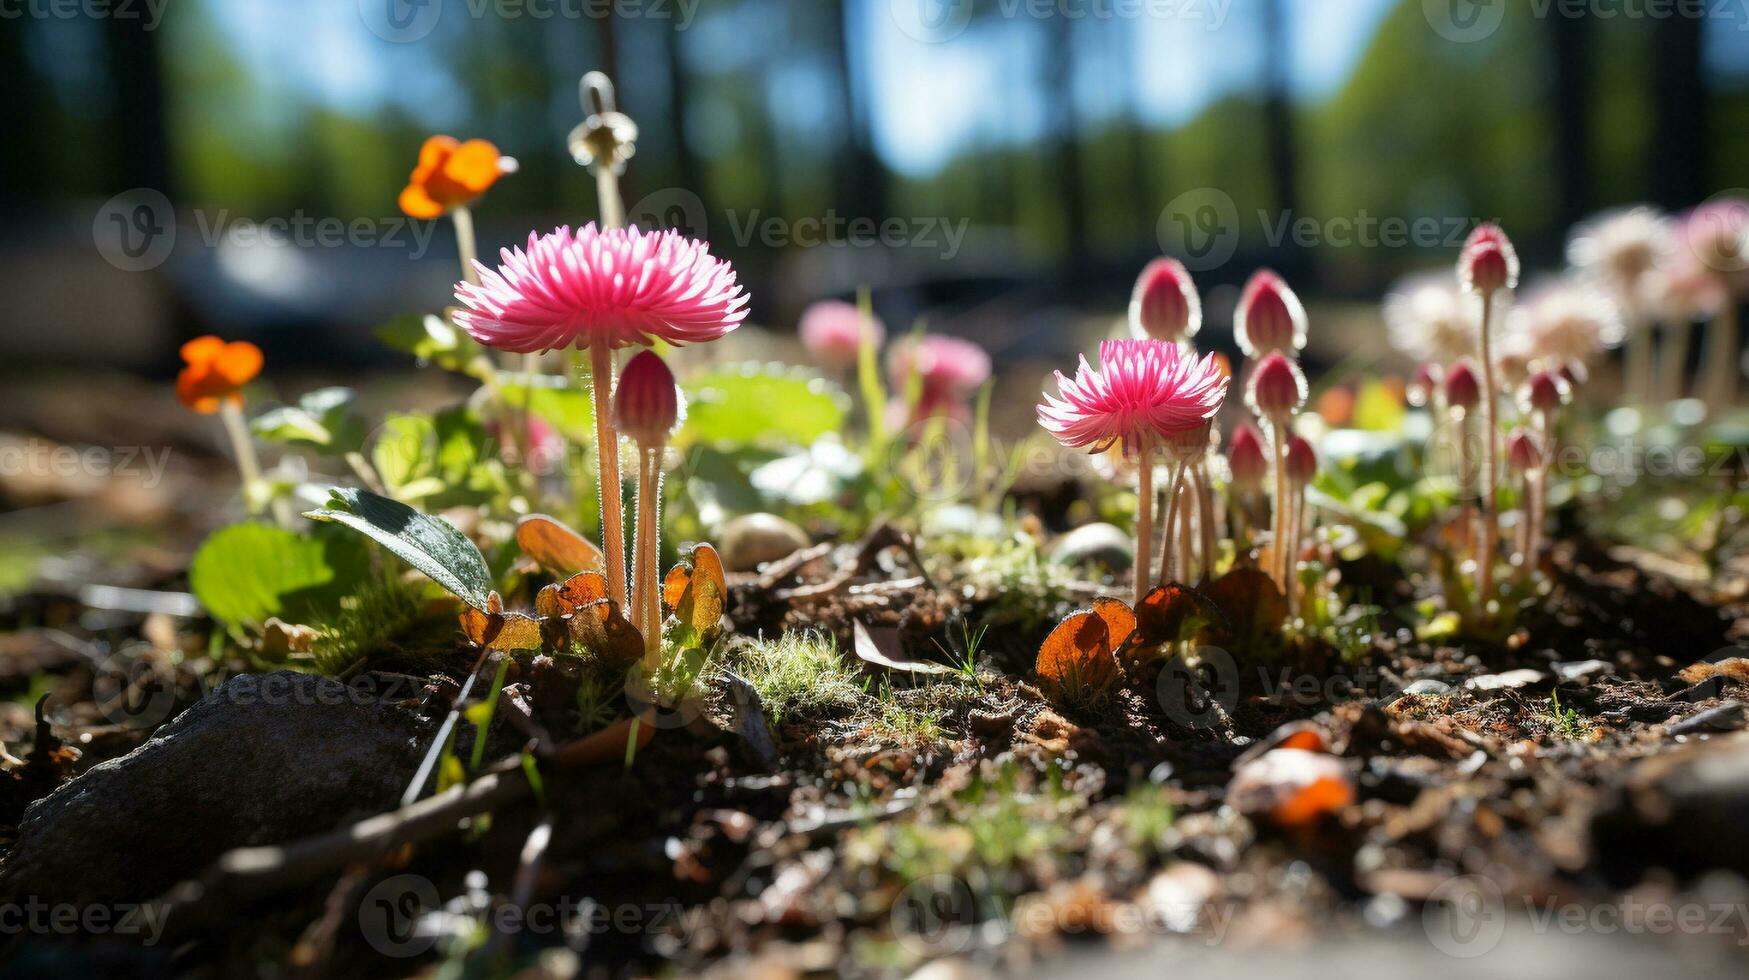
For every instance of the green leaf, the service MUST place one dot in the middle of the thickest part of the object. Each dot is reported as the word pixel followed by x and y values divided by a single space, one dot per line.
pixel 567 407
pixel 405 452
pixel 430 544
pixel 765 405
pixel 246 573
pixel 432 339
pixel 324 418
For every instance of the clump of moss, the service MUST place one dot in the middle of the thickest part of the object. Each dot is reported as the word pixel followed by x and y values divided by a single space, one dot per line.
pixel 798 675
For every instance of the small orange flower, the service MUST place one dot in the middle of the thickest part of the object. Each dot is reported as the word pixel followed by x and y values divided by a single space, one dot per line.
pixel 216 372
pixel 451 174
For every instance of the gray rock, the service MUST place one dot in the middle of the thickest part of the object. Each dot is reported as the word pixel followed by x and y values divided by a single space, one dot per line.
pixel 262 759
pixel 752 540
pixel 1101 545
pixel 1511 680
pixel 1582 671
pixel 1727 717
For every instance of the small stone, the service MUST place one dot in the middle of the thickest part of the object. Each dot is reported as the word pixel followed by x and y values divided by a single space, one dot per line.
pixel 1427 687
pixel 752 540
pixel 1101 545
pixel 1581 671
pixel 961 520
pixel 1510 680
pixel 1727 717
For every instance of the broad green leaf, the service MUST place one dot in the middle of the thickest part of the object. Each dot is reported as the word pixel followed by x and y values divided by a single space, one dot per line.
pixel 430 544
pixel 566 406
pixel 324 418
pixel 405 452
pixel 246 573
pixel 763 405
pixel 432 339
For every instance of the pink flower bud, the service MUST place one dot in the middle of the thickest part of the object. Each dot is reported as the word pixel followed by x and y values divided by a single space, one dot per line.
pixel 646 404
pixel 1277 390
pixel 832 330
pixel 1524 451
pixel 1245 457
pixel 1546 391
pixel 1269 317
pixel 1165 304
pixel 1302 461
pixel 1489 262
pixel 1424 384
pixel 1462 390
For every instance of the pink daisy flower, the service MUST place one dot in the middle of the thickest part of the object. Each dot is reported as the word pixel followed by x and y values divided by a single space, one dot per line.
pixel 614 288
pixel 949 371
pixel 831 330
pixel 1144 392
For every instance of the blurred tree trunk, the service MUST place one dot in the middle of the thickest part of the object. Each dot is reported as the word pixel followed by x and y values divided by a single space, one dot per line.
pixel 1680 142
pixel 1570 41
pixel 141 145
pixel 862 180
pixel 1059 84
pixel 23 180
pixel 1279 115
pixel 679 105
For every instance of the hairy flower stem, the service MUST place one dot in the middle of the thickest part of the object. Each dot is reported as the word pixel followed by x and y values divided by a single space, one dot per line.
pixel 1186 534
pixel 1490 464
pixel 1296 533
pixel 1174 472
pixel 646 609
pixel 1205 516
pixel 1722 358
pixel 1278 510
pixel 1144 522
pixel 1637 362
pixel 607 453
pixel 1673 358
pixel 1466 481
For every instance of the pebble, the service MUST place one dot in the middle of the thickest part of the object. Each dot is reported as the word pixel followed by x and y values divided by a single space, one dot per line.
pixel 1427 686
pixel 1726 717
pixel 1582 671
pixel 1102 545
pixel 1510 680
pixel 751 540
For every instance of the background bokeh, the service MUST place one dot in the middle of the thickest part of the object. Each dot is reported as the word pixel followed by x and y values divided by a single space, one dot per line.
pixel 1024 157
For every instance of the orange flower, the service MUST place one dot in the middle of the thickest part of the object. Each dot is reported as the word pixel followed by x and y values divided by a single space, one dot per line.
pixel 451 174
pixel 216 372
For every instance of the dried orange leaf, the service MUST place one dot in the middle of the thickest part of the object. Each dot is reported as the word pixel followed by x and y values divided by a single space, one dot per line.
pixel 607 745
pixel 1253 607
pixel 1172 613
pixel 701 601
pixel 503 631
pixel 1080 655
pixel 885 652
pixel 1292 787
pixel 674 586
pixel 556 548
pixel 603 630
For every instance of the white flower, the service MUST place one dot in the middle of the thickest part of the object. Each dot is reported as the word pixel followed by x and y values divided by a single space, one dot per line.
pixel 1430 319
pixel 1565 321
pixel 1621 250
